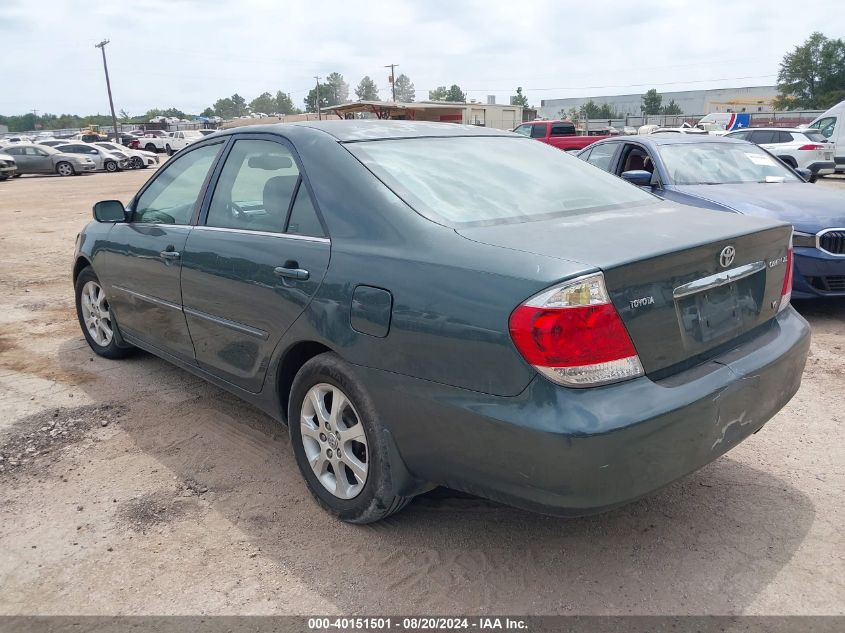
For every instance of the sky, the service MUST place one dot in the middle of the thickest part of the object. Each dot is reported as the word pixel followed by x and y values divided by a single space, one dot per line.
pixel 187 53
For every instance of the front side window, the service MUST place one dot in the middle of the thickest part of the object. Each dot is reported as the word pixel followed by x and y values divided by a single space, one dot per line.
pixel 524 130
pixel 721 163
pixel 763 136
pixel 466 181
pixel 171 197
pixel 740 135
pixel 255 187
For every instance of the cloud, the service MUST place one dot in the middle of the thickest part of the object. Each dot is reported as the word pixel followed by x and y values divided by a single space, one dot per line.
pixel 187 53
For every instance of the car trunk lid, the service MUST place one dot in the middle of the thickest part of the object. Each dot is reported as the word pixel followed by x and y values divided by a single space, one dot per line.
pixel 668 271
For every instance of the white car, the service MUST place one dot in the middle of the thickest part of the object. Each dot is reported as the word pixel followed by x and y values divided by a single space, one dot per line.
pixel 138 158
pixel 157 141
pixel 798 148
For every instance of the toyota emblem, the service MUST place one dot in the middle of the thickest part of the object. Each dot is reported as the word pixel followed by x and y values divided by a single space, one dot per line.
pixel 726 257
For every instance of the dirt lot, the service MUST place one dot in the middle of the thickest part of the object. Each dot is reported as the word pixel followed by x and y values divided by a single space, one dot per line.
pixel 140 489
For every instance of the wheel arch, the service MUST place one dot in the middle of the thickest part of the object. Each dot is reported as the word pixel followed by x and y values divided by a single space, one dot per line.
pixel 292 361
pixel 789 160
pixel 79 265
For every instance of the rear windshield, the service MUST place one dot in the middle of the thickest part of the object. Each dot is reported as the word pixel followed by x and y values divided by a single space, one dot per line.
pixel 816 137
pixel 465 181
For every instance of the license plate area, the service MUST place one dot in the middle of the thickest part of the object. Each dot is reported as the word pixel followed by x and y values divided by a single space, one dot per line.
pixel 723 308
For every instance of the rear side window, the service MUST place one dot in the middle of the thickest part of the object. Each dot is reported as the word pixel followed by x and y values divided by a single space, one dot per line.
pixel 561 129
pixel 255 187
pixel 303 216
pixel 538 131
pixel 14 151
pixel 815 137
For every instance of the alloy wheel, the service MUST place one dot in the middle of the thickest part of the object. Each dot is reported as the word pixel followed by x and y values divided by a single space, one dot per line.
pixel 334 441
pixel 95 314
pixel 65 169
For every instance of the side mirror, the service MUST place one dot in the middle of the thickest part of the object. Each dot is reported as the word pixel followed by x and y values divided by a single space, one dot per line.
pixel 110 211
pixel 806 174
pixel 638 177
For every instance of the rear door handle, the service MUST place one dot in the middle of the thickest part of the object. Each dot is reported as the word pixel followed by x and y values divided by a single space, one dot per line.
pixel 169 255
pixel 299 274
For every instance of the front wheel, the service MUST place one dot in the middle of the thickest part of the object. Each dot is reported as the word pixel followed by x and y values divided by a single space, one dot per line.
pixel 111 166
pixel 95 318
pixel 138 162
pixel 339 442
pixel 65 169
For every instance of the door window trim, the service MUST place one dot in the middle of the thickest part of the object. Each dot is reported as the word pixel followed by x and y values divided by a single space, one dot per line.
pixel 201 215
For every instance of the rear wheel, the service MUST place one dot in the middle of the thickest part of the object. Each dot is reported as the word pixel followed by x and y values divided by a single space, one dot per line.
pixel 150 148
pixel 339 442
pixel 169 150
pixel 789 161
pixel 65 169
pixel 95 318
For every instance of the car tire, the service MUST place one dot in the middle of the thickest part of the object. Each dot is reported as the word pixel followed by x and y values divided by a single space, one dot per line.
pixel 328 379
pixel 111 166
pixel 98 326
pixel 138 162
pixel 151 148
pixel 64 168
pixel 169 150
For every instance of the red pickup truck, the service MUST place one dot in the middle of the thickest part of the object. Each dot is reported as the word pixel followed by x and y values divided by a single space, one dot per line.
pixel 560 134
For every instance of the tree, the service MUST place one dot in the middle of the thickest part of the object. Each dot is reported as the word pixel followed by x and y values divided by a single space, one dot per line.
pixel 124 116
pixel 367 90
pixel 455 94
pixel 336 89
pixel 404 89
pixel 264 103
pixel 224 108
pixel 671 108
pixel 311 99
pixel 593 110
pixel 438 94
pixel 207 113
pixel 519 99
pixel 284 105
pixel 812 76
pixel 651 102
pixel 239 104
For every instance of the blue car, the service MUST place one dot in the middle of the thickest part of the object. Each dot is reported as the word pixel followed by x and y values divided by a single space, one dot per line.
pixel 733 175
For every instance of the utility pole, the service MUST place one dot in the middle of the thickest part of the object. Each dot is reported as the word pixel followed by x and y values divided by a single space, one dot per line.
pixel 392 79
pixel 319 114
pixel 102 47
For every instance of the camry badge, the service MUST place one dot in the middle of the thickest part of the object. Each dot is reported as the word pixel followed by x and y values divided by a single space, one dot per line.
pixel 726 257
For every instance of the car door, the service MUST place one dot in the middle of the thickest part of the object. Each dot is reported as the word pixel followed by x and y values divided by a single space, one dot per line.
pixel 254 260
pixel 141 267
pixel 39 160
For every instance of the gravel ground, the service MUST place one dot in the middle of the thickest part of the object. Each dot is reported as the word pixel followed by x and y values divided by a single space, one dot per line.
pixel 132 487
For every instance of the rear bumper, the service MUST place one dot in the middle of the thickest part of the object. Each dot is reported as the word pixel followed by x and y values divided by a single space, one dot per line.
pixel 822 168
pixel 581 451
pixel 818 274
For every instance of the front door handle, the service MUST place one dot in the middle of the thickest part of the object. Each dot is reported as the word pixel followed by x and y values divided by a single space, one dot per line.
pixel 169 255
pixel 298 274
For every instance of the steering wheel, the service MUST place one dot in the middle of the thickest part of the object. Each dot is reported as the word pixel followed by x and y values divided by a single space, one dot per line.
pixel 239 211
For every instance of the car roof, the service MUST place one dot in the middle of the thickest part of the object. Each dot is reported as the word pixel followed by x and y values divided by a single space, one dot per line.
pixel 673 139
pixel 374 129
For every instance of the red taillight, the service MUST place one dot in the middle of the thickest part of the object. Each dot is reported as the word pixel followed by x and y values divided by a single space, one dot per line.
pixel 786 288
pixel 573 335
pixel 811 146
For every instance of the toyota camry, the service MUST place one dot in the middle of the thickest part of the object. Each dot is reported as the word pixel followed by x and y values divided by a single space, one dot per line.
pixel 429 304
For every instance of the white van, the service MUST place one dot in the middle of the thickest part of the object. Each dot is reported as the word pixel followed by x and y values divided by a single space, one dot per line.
pixel 831 124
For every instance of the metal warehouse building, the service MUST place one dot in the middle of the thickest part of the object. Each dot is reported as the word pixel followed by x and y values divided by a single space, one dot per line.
pixel 749 99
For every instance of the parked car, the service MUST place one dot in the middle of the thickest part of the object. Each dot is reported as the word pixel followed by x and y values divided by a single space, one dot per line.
pixel 728 174
pixel 560 134
pixel 830 125
pixel 170 142
pixel 429 304
pixel 53 142
pixel 806 148
pixel 104 159
pixel 8 167
pixel 137 158
pixel 41 159
pixel 206 132
pixel 677 130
